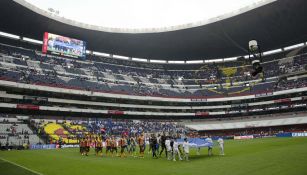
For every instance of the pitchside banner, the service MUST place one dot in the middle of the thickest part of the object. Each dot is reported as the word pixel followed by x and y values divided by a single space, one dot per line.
pixel 48 146
pixel 284 134
pixel 243 137
pixel 293 134
pixel 70 146
pixel 52 146
pixel 299 134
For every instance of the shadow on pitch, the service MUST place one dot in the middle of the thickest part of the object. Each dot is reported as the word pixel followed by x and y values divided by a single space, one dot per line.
pixel 203 156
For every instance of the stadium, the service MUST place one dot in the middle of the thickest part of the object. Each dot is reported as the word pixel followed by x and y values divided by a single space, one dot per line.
pixel 135 87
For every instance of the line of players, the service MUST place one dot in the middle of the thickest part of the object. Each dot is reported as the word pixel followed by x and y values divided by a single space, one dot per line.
pixel 168 144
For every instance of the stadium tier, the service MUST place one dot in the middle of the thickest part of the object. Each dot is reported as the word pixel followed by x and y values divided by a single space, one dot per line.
pixel 212 80
pixel 207 80
pixel 106 86
pixel 16 133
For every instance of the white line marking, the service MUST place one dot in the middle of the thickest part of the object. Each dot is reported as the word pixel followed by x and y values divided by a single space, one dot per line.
pixel 35 172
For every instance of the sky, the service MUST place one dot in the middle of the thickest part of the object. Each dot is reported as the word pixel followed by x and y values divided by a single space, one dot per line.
pixel 136 14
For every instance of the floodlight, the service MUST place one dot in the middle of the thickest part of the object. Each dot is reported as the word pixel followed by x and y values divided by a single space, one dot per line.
pixel 255 57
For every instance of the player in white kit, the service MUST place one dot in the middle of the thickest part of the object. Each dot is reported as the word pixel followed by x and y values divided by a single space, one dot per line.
pixel 186 149
pixel 209 140
pixel 176 150
pixel 168 148
pixel 221 144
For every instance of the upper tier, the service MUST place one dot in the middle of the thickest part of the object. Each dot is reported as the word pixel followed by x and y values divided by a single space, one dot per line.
pixel 126 77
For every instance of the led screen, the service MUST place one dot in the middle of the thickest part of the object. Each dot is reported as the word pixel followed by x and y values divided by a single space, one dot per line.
pixel 64 46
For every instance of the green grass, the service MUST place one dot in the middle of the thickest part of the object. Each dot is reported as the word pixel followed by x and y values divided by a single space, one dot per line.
pixel 280 156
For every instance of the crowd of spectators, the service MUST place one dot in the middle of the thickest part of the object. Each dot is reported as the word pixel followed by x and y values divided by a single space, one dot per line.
pixel 137 78
pixel 118 127
pixel 108 127
pixel 284 84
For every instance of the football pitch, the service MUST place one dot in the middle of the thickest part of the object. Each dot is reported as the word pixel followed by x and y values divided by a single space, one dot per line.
pixel 268 156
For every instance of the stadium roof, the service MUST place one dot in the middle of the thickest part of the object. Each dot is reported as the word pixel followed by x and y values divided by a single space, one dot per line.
pixel 142 16
pixel 275 25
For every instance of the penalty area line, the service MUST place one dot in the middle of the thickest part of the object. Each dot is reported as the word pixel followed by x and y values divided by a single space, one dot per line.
pixel 28 169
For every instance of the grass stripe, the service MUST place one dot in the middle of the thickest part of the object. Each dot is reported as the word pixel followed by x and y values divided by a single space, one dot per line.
pixel 20 166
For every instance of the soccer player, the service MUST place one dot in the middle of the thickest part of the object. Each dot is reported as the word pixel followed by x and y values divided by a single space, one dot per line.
pixel 95 144
pixel 108 146
pixel 168 148
pixel 180 150
pixel 82 146
pixel 221 144
pixel 114 146
pixel 88 145
pixel 172 146
pixel 163 145
pixel 209 140
pixel 141 142
pixel 153 141
pixel 186 149
pixel 176 150
pixel 98 147
pixel 158 143
pixel 128 144
pixel 150 144
pixel 132 149
pixel 123 146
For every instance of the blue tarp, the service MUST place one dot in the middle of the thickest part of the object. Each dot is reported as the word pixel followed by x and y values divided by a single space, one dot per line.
pixel 196 142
